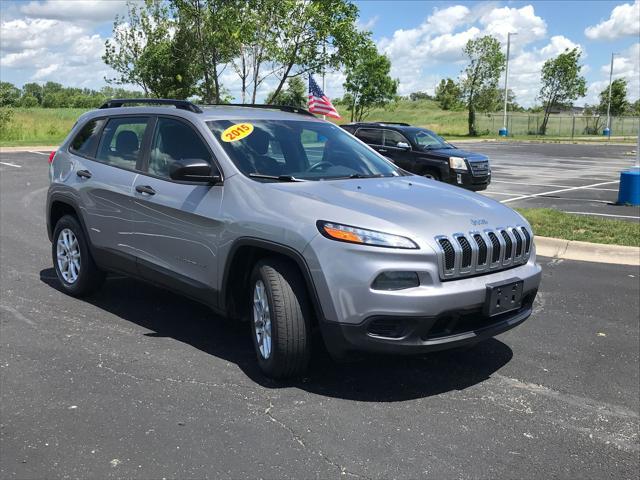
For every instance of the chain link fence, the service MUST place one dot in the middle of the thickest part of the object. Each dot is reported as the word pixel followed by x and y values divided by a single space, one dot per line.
pixel 571 126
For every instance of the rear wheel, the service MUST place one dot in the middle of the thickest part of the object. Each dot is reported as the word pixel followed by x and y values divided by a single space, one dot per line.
pixel 280 318
pixel 72 261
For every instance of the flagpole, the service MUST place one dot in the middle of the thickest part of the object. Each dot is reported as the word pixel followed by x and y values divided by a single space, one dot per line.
pixel 324 53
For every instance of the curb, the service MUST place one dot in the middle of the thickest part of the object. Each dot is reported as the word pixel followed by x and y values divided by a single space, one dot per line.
pixel 587 252
pixel 36 148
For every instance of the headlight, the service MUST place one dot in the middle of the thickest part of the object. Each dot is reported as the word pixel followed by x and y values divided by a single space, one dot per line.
pixel 457 163
pixel 347 233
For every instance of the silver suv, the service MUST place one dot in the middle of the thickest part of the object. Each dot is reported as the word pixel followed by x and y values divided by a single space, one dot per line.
pixel 269 214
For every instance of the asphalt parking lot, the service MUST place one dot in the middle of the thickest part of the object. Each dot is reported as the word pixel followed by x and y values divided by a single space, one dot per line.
pixel 135 382
pixel 581 179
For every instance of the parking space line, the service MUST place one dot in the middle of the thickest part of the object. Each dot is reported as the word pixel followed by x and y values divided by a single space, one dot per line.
pixel 527 183
pixel 11 164
pixel 501 193
pixel 605 215
pixel 38 153
pixel 558 191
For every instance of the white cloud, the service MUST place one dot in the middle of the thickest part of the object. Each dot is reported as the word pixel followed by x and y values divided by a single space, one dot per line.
pixel 624 21
pixel 95 11
pixel 625 65
pixel 440 39
pixel 19 34
pixel 523 21
pixel 368 25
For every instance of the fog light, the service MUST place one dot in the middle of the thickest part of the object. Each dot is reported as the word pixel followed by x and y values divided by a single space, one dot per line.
pixel 395 281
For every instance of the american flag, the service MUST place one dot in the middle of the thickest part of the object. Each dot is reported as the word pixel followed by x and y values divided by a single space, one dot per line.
pixel 319 102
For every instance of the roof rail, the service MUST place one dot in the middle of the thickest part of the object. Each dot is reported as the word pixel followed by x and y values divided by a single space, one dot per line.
pixel 180 104
pixel 394 123
pixel 283 108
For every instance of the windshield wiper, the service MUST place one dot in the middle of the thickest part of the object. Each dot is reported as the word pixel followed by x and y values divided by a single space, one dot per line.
pixel 360 175
pixel 278 178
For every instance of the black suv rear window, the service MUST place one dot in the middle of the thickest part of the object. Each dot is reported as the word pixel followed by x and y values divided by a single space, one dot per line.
pixel 85 142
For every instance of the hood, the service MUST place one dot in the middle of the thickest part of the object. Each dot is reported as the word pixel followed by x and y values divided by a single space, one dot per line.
pixel 410 206
pixel 458 152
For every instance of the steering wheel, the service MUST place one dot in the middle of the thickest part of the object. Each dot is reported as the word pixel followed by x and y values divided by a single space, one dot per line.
pixel 319 166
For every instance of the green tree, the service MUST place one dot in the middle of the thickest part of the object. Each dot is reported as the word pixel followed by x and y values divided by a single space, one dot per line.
pixel 143 26
pixel 562 83
pixel 28 101
pixel 294 95
pixel 619 102
pixel 312 35
pixel 634 108
pixel 415 96
pixel 368 83
pixel 448 94
pixel 9 94
pixel 210 34
pixel 486 63
pixel 33 89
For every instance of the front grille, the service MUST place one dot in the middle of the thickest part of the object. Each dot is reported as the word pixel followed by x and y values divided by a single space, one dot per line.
pixel 508 244
pixel 482 249
pixel 449 254
pixel 479 169
pixel 518 237
pixel 475 253
pixel 466 252
pixel 495 243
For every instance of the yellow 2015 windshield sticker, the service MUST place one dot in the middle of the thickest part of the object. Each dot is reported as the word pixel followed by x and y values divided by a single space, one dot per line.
pixel 236 132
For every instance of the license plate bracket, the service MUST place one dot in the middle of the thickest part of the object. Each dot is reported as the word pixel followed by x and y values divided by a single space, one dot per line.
pixel 503 297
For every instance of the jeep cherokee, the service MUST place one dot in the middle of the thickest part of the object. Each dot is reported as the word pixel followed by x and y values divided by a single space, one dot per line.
pixel 272 215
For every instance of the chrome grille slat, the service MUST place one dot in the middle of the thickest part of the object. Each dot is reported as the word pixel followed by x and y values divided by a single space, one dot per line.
pixel 479 169
pixel 473 253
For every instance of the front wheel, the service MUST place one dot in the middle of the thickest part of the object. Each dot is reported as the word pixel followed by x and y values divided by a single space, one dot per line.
pixel 431 175
pixel 74 266
pixel 280 318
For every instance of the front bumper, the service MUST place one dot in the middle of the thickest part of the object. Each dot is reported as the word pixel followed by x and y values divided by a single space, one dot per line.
pixel 436 314
pixel 468 181
pixel 414 335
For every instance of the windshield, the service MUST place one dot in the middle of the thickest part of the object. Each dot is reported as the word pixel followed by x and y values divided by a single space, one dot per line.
pixel 297 150
pixel 428 140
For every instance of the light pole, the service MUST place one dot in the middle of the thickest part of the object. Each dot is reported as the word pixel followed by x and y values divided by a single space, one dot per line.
pixel 504 131
pixel 607 131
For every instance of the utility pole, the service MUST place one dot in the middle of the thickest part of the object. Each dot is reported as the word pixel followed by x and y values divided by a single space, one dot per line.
pixel 505 131
pixel 608 129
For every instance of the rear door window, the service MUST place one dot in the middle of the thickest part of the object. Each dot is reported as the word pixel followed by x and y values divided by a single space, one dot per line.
pixel 86 141
pixel 121 142
pixel 372 136
pixel 392 138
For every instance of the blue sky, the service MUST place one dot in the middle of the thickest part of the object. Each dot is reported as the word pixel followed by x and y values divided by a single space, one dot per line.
pixel 63 40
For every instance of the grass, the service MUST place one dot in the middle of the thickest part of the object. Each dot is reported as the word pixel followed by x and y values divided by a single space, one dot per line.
pixel 547 222
pixel 39 126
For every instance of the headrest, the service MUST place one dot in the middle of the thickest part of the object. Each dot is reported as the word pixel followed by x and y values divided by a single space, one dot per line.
pixel 127 142
pixel 258 140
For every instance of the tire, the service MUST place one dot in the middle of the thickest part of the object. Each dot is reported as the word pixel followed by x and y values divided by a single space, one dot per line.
pixel 431 175
pixel 88 277
pixel 288 317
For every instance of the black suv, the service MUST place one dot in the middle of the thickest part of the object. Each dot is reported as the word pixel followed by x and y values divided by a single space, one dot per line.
pixel 423 152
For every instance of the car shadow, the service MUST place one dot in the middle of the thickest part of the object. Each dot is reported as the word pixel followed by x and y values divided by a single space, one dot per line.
pixel 372 378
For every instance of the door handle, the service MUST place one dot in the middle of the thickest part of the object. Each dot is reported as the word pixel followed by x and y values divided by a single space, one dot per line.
pixel 83 173
pixel 145 189
pixel 382 150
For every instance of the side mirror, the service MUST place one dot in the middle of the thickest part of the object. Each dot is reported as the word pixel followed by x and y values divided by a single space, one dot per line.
pixel 403 145
pixel 193 170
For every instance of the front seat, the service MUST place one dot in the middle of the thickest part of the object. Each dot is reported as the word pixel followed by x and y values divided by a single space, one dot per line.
pixel 127 145
pixel 258 142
